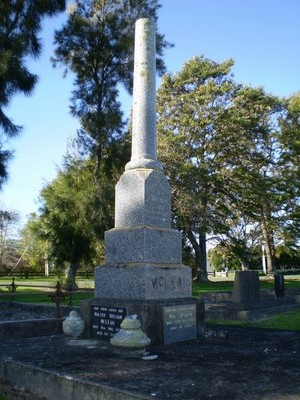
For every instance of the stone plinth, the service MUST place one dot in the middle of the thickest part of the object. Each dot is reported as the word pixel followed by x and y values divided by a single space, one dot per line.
pixel 143 197
pixel 143 282
pixel 142 245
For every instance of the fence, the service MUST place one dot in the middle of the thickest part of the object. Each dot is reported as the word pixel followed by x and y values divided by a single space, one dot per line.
pixel 28 274
pixel 57 296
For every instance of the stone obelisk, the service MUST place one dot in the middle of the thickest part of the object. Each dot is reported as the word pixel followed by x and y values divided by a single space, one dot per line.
pixel 143 271
pixel 143 253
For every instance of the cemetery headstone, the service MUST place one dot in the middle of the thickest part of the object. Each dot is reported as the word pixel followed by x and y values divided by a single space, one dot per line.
pixel 246 289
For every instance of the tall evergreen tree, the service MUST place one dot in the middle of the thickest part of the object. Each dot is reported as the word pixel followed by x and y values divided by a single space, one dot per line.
pixel 65 222
pixel 192 108
pixel 219 143
pixel 20 23
pixel 256 188
pixel 289 138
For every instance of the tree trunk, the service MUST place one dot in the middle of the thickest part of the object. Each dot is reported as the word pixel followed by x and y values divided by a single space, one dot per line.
pixel 200 255
pixel 70 277
pixel 268 238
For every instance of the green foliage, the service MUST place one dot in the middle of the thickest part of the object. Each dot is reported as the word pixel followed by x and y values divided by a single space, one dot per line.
pixel 20 22
pixel 34 248
pixel 287 258
pixel 66 215
pixel 231 155
pixel 220 258
pixel 290 177
pixel 192 108
pixel 9 247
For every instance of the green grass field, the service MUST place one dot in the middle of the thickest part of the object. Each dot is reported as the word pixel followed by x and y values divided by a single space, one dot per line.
pixel 39 294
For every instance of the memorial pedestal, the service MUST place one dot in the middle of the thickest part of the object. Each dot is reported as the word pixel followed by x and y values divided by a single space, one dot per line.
pixel 164 321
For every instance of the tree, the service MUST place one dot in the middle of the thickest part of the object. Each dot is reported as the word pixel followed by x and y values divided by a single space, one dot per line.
pixel 20 22
pixel 219 142
pixel 290 176
pixel 75 213
pixel 192 115
pixel 255 185
pixel 96 44
pixel 64 222
pixel 35 248
pixel 8 246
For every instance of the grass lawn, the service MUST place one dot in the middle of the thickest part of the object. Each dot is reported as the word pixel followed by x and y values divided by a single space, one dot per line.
pixel 289 321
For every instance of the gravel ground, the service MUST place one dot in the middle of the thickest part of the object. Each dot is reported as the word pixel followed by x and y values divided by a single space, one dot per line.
pixel 231 363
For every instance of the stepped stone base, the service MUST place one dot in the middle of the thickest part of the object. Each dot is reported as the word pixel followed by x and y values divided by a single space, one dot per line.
pixel 164 321
pixel 143 281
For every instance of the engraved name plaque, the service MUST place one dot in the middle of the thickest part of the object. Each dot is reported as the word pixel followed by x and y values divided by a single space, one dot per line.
pixel 106 321
pixel 180 323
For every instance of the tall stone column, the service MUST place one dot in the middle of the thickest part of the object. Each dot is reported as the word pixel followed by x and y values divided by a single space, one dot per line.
pixel 144 153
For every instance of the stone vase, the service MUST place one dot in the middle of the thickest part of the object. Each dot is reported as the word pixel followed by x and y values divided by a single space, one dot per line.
pixel 130 335
pixel 73 325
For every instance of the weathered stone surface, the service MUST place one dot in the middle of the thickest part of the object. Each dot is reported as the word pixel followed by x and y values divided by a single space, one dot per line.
pixel 246 288
pixel 143 255
pixel 130 335
pixel 145 282
pixel 73 325
pixel 144 153
pixel 142 245
pixel 143 197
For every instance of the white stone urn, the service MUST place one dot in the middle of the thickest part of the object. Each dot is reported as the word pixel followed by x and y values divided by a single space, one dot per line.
pixel 73 325
pixel 130 335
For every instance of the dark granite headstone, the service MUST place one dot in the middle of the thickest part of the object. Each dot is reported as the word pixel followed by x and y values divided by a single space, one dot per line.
pixel 279 285
pixel 246 288
pixel 106 321
pixel 180 323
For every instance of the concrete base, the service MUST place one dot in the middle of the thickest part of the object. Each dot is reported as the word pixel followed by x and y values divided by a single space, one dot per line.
pixel 54 385
pixel 43 325
pixel 218 306
pixel 30 328
pixel 164 321
pixel 225 312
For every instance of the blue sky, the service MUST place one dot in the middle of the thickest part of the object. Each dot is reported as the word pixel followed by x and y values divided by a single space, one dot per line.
pixel 262 36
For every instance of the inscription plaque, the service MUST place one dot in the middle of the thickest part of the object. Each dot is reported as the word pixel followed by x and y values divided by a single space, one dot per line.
pixel 180 323
pixel 106 321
